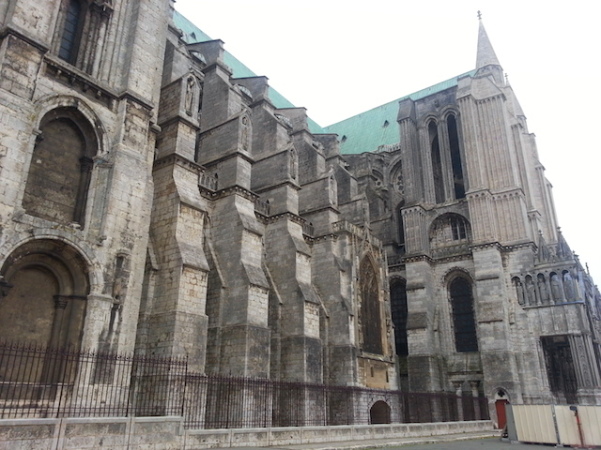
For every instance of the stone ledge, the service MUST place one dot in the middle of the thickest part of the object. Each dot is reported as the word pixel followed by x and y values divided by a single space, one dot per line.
pixel 173 435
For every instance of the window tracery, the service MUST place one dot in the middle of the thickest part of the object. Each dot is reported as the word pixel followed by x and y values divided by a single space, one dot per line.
pixel 370 309
pixel 449 229
pixel 81 33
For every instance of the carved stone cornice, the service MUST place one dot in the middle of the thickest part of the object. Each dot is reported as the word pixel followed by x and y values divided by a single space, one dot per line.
pixel 75 78
pixel 175 159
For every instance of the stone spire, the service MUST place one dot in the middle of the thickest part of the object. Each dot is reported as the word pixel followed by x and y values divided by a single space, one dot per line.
pixel 487 62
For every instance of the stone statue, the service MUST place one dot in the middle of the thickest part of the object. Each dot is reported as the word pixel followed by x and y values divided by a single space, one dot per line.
pixel 189 100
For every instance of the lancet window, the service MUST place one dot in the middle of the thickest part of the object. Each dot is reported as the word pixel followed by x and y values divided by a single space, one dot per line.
pixel 464 324
pixel 399 309
pixel 445 156
pixel 81 33
pixel 436 162
pixel 370 309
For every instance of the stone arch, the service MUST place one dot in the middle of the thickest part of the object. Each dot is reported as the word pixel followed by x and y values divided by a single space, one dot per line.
pixel 449 229
pixel 47 303
pixel 371 315
pixel 396 177
pixel 501 393
pixel 379 413
pixel 61 165
pixel 454 272
pixel 450 110
pixel 54 102
pixel 59 174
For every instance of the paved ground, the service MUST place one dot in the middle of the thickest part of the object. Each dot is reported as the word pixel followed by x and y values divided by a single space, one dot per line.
pixel 472 444
pixel 472 441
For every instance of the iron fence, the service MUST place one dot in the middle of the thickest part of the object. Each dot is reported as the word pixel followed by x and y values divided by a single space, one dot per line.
pixel 38 382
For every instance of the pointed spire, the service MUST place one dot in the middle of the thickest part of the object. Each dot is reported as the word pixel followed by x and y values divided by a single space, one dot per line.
pixel 486 59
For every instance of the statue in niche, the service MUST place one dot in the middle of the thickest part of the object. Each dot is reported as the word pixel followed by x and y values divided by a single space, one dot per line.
pixel 542 289
pixel 245 133
pixel 519 288
pixel 530 291
pixel 556 290
pixel 568 286
pixel 189 99
pixel 292 164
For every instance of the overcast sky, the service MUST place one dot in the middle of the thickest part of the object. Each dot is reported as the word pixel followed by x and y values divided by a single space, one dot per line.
pixel 338 58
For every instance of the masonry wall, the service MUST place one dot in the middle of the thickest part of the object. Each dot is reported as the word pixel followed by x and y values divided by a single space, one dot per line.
pixel 167 433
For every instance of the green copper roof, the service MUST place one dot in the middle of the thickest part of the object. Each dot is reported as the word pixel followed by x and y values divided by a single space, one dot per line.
pixel 194 34
pixel 365 132
pixel 370 130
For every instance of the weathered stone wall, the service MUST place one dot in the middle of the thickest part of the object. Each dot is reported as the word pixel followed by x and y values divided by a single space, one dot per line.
pixel 110 239
pixel 168 433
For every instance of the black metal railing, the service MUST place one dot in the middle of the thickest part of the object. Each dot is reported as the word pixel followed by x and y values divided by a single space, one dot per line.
pixel 40 382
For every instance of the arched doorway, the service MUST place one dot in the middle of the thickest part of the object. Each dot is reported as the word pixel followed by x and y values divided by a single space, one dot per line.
pixel 44 308
pixel 501 400
pixel 46 304
pixel 379 413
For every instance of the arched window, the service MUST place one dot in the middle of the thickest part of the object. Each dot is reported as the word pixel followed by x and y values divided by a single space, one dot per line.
pixel 398 306
pixel 396 178
pixel 371 321
pixel 449 230
pixel 60 170
pixel 456 166
pixel 462 303
pixel 71 32
pixel 436 162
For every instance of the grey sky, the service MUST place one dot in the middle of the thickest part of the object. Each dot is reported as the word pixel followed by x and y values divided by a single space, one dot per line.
pixel 338 58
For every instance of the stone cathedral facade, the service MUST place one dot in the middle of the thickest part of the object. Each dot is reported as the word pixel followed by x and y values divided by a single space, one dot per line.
pixel 157 197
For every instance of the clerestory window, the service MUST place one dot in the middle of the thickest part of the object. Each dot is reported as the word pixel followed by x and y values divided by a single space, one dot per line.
pixel 71 32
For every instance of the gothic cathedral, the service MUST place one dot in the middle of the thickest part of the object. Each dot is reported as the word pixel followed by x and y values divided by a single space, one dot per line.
pixel 158 198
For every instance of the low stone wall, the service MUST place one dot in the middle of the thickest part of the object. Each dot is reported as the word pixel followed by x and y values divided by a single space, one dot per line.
pixel 158 433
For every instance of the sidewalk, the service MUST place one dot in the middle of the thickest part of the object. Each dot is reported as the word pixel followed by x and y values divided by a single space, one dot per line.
pixel 378 443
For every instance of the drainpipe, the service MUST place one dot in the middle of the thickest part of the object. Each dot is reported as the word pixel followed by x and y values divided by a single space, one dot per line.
pixel 575 409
